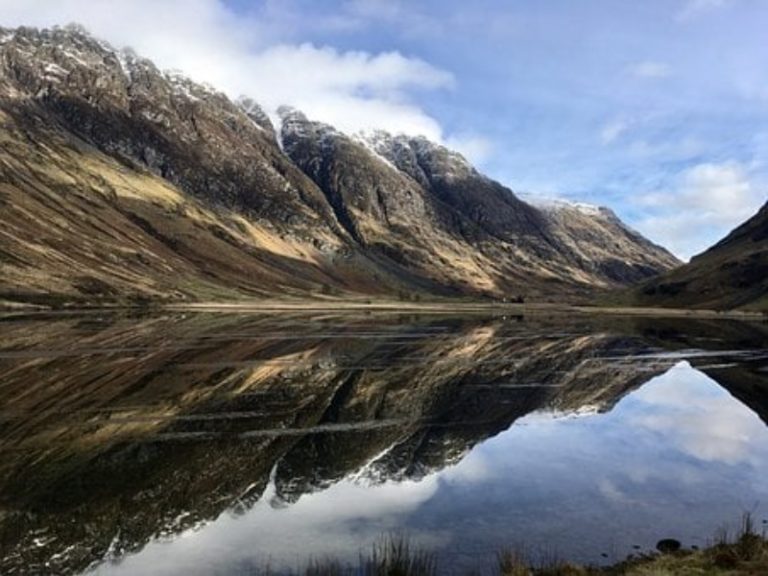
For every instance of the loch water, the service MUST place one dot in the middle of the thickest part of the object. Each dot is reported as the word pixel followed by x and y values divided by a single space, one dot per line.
pixel 222 443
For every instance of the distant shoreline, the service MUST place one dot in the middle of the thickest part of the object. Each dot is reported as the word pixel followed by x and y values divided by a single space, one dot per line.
pixel 387 306
pixel 448 307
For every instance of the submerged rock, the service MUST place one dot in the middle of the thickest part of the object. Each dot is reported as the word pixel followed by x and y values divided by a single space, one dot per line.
pixel 668 545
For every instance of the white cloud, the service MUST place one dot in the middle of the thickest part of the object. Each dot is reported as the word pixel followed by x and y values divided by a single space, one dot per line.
pixel 702 205
pixel 351 90
pixel 693 8
pixel 474 468
pixel 475 148
pixel 247 55
pixel 669 149
pixel 650 69
pixel 407 17
pixel 612 130
pixel 375 9
pixel 339 522
pixel 701 419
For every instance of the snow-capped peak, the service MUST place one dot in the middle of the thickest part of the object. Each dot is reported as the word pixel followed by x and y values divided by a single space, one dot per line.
pixel 553 204
pixel 6 35
pixel 378 143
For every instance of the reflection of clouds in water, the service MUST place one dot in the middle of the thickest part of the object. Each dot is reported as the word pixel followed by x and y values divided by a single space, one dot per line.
pixel 678 454
pixel 339 521
pixel 690 410
pixel 474 467
pixel 685 473
pixel 612 492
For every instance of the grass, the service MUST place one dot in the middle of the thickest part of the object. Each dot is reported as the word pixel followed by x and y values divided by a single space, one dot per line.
pixel 744 553
pixel 393 555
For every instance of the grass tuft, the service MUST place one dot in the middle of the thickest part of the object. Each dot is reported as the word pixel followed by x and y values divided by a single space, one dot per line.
pixel 394 556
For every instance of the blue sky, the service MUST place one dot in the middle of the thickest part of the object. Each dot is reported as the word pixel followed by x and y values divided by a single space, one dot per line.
pixel 658 109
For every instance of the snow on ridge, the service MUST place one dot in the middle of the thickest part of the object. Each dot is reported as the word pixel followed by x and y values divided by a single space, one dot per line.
pixel 423 145
pixel 392 147
pixel 255 114
pixel 105 46
pixel 558 204
pixel 125 58
pixel 295 123
pixel 554 413
pixel 277 122
pixel 375 142
pixel 73 56
pixel 184 86
pixel 255 124
pixel 53 69
pixel 292 121
pixel 181 85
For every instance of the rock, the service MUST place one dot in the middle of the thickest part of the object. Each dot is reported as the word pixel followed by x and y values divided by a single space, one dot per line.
pixel 668 545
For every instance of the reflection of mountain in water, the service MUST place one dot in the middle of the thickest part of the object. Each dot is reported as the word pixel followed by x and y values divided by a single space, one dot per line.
pixel 745 347
pixel 115 431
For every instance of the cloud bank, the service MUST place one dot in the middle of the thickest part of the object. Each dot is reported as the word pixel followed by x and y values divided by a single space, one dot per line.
pixel 244 55
pixel 706 199
pixel 703 420
pixel 651 69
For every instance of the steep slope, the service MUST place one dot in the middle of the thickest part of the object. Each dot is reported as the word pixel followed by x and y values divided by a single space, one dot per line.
pixel 393 216
pixel 731 274
pixel 427 208
pixel 455 182
pixel 601 242
pixel 563 241
pixel 122 182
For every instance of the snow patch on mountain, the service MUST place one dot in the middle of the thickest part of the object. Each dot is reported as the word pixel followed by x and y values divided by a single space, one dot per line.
pixel 54 70
pixel 558 204
pixel 372 142
pixel 6 36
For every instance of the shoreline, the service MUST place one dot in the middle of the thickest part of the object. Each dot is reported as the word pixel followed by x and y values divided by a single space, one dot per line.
pixel 468 307
pixel 392 307
pixel 745 555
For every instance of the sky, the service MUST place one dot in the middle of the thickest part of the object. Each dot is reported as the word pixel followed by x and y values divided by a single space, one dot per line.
pixel 657 109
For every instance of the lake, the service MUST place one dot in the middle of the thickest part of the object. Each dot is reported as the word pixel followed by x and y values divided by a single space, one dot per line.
pixel 205 443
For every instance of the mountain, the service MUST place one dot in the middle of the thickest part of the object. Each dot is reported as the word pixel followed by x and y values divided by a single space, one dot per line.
pixel 596 235
pixel 731 274
pixel 123 182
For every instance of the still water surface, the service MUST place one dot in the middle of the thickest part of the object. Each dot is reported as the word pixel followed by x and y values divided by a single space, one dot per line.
pixel 219 443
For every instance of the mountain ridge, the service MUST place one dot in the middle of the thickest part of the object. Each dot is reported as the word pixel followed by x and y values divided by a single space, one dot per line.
pixel 731 274
pixel 214 200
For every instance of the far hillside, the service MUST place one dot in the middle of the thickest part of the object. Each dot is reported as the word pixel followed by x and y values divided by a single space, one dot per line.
pixel 733 274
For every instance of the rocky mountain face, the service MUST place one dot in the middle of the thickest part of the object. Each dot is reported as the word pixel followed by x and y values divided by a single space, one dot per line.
pixel 731 274
pixel 599 241
pixel 120 181
pixel 117 431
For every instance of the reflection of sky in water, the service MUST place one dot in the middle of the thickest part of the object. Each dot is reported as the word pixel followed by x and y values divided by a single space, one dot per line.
pixel 677 458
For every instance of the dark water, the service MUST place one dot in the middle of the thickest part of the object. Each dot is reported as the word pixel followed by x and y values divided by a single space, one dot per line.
pixel 213 443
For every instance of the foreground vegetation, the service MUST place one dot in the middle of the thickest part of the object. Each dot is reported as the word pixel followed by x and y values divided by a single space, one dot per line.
pixel 747 556
pixel 742 554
